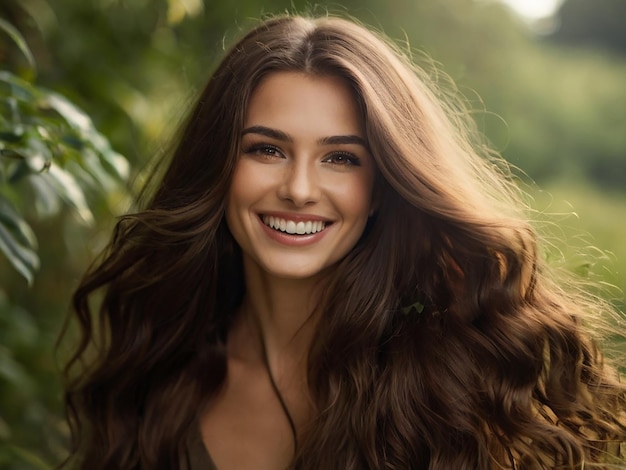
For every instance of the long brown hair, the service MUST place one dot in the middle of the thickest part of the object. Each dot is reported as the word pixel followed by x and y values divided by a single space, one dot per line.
pixel 445 343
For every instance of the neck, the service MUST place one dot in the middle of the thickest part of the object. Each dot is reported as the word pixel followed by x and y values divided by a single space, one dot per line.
pixel 277 319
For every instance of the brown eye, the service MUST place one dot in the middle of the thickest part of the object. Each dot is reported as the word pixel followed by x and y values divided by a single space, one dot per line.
pixel 264 151
pixel 343 159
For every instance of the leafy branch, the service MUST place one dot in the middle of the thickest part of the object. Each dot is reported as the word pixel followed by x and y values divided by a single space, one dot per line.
pixel 51 156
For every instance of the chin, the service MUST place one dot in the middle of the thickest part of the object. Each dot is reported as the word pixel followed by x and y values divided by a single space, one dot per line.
pixel 295 272
pixel 295 275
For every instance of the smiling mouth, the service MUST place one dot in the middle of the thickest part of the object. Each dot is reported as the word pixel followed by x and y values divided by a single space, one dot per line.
pixel 294 228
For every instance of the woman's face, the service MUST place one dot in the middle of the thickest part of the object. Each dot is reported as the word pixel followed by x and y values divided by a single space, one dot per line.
pixel 301 192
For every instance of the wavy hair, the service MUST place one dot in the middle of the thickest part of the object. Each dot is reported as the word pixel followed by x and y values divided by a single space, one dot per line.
pixel 445 342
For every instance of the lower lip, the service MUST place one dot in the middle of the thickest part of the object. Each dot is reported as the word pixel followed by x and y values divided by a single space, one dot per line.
pixel 293 240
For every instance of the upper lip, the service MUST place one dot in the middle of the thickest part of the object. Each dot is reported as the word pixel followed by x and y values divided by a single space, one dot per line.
pixel 296 217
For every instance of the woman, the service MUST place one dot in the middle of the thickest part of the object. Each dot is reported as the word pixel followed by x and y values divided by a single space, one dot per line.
pixel 329 276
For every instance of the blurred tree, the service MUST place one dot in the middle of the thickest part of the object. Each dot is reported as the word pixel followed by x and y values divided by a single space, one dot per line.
pixel 599 23
pixel 51 158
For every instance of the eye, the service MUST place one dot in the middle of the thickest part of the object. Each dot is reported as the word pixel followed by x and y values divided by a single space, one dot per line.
pixel 263 151
pixel 343 159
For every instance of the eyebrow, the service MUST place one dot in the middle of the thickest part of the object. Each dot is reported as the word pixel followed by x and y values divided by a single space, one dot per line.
pixel 280 135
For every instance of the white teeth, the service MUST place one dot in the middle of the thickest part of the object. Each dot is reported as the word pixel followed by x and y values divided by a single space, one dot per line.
pixel 291 227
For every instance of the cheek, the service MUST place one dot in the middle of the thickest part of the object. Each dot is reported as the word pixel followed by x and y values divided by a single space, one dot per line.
pixel 356 197
pixel 240 183
pixel 244 187
pixel 239 196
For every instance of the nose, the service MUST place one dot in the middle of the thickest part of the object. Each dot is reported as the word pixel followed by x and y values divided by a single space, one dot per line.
pixel 300 183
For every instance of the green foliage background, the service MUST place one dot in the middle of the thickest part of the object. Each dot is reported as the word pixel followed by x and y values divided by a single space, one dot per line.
pixel 555 106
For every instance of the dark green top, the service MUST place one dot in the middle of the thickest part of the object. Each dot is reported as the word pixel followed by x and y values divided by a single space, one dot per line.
pixel 196 456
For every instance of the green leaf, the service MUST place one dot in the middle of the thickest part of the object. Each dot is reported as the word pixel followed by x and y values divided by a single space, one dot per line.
pixel 75 117
pixel 115 163
pixel 12 135
pixel 73 142
pixel 18 170
pixel 14 34
pixel 16 87
pixel 37 154
pixel 16 224
pixel 30 156
pixel 23 258
pixel 10 108
pixel 417 306
pixel 101 174
pixel 47 201
pixel 70 191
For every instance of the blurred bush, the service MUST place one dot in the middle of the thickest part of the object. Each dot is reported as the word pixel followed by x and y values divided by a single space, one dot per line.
pixel 598 24
pixel 51 158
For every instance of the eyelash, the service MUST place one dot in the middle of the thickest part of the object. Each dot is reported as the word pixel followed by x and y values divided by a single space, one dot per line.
pixel 270 151
pixel 263 150
pixel 350 159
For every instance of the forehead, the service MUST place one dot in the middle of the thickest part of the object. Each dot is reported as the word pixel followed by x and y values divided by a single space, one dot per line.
pixel 301 103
